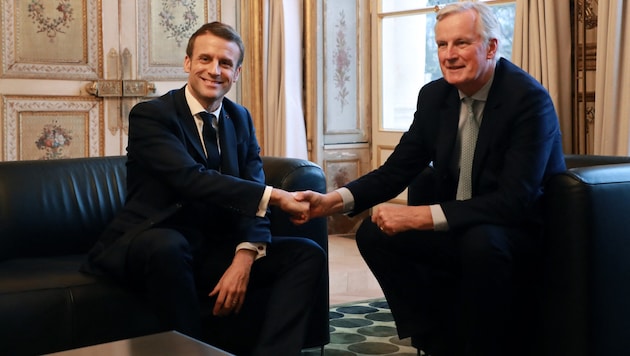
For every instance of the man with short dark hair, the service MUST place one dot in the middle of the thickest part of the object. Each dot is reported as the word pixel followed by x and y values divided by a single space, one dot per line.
pixel 195 221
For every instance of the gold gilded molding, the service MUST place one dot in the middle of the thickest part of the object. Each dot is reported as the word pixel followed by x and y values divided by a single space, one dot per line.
pixel 310 78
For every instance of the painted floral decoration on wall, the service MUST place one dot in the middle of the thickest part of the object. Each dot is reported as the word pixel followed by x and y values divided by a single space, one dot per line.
pixel 51 26
pixel 180 31
pixel 53 139
pixel 341 60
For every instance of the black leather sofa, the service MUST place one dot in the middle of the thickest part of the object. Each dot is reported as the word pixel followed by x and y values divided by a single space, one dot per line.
pixel 582 291
pixel 51 213
pixel 585 294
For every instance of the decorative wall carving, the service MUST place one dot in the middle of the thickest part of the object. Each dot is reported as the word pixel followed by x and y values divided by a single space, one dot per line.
pixel 51 127
pixel 345 120
pixel 343 164
pixel 51 39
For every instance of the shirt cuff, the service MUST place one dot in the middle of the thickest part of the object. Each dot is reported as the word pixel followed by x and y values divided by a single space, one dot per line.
pixel 347 198
pixel 439 219
pixel 264 202
pixel 259 247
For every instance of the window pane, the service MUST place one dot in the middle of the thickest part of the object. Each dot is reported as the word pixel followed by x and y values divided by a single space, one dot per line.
pixel 505 13
pixel 403 5
pixel 409 58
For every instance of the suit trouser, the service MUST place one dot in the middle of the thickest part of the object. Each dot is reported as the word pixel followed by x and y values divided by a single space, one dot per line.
pixel 451 292
pixel 176 279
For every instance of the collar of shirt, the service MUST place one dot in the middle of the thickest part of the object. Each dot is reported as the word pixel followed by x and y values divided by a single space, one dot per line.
pixel 195 107
pixel 480 98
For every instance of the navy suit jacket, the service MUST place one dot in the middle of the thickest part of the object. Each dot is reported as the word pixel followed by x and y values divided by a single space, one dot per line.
pixel 169 183
pixel 518 148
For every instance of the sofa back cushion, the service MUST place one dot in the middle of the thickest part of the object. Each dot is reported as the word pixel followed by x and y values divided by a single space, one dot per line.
pixel 576 161
pixel 57 207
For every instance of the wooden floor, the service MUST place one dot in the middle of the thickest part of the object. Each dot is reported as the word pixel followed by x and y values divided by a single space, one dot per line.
pixel 350 278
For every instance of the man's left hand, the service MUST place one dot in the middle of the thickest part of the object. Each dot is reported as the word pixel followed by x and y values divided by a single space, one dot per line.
pixel 393 219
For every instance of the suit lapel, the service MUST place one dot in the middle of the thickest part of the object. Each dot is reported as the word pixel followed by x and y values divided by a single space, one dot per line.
pixel 490 122
pixel 488 125
pixel 449 118
pixel 188 123
pixel 229 151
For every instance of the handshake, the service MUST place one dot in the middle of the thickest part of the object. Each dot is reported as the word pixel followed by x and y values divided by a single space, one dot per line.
pixel 306 205
pixel 391 219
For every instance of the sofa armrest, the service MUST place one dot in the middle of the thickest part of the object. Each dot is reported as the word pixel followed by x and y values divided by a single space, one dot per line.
pixel 586 267
pixel 421 192
pixel 293 174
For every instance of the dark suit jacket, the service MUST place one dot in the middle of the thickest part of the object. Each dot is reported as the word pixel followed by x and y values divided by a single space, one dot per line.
pixel 518 148
pixel 169 184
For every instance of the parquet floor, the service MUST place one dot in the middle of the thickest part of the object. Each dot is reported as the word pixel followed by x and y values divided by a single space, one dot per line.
pixel 350 278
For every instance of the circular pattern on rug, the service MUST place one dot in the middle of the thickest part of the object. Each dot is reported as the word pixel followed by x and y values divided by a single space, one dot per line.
pixel 350 323
pixel 405 342
pixel 339 353
pixel 357 309
pixel 334 315
pixel 373 348
pixel 378 331
pixel 381 304
pixel 346 338
pixel 380 316
pixel 364 328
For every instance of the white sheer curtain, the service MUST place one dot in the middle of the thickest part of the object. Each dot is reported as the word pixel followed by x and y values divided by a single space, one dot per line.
pixel 285 131
pixel 612 79
pixel 542 47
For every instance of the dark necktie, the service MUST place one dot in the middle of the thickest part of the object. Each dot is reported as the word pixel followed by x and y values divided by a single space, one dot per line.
pixel 468 143
pixel 210 140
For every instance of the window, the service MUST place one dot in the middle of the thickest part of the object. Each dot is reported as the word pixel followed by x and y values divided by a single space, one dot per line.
pixel 408 57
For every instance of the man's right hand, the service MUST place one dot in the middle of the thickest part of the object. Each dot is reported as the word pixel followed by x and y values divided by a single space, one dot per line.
pixel 299 210
pixel 321 204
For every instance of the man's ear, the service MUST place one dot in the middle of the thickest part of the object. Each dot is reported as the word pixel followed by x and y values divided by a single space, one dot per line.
pixel 187 64
pixel 237 74
pixel 493 44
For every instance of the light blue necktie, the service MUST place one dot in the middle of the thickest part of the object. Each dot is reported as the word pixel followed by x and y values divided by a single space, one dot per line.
pixel 470 130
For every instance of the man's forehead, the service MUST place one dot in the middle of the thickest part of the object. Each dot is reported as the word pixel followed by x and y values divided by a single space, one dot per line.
pixel 225 46
pixel 466 36
pixel 462 30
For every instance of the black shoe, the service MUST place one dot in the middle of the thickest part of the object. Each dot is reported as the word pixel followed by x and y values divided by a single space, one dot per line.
pixel 422 344
pixel 431 344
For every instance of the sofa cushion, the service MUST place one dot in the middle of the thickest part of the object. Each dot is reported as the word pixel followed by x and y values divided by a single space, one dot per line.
pixel 79 310
pixel 57 207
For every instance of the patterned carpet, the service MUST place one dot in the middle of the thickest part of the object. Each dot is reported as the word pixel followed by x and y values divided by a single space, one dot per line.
pixel 363 328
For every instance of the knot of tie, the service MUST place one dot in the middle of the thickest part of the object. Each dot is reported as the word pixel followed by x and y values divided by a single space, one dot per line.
pixel 470 108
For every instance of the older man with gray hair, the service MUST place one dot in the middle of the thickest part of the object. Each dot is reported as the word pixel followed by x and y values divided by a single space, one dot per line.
pixel 450 266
